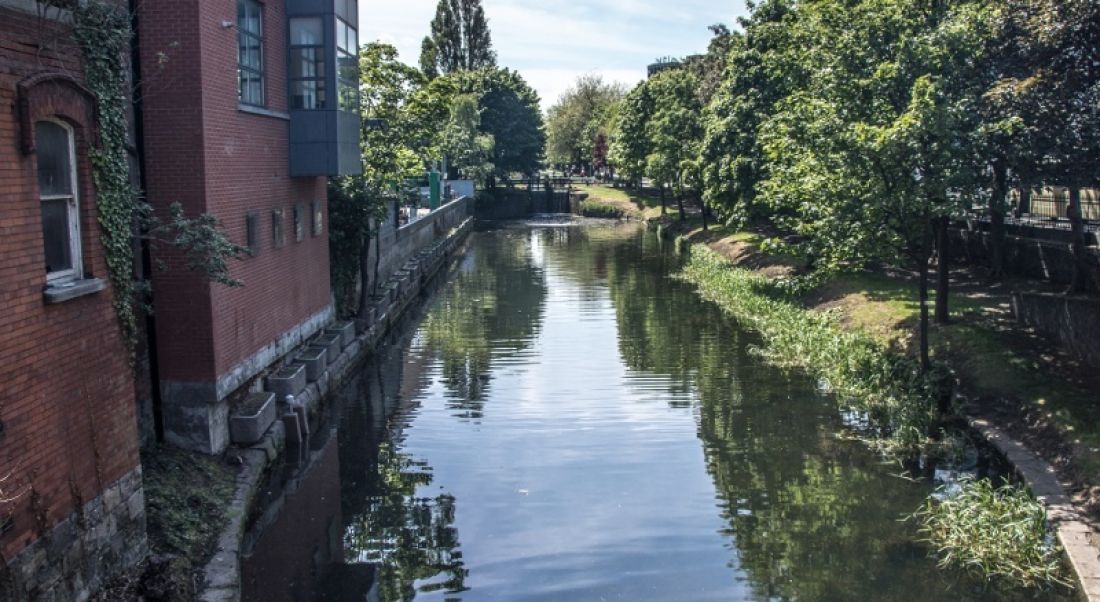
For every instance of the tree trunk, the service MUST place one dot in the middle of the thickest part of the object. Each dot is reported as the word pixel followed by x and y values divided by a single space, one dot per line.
pixel 943 270
pixel 704 206
pixel 664 207
pixel 680 203
pixel 1077 226
pixel 1025 201
pixel 997 220
pixel 364 275
pixel 925 362
pixel 377 257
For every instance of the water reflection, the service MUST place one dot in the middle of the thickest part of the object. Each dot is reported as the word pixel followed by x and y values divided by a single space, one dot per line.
pixel 588 429
pixel 490 312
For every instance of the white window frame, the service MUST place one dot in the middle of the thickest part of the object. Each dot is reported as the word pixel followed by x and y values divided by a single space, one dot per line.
pixel 76 272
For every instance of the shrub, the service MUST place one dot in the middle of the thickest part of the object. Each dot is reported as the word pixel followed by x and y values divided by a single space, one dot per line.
pixel 602 210
pixel 996 531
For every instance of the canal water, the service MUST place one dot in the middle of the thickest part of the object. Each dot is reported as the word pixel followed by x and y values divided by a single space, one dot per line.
pixel 563 420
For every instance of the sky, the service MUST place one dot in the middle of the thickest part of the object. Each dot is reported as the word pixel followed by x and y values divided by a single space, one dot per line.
pixel 552 42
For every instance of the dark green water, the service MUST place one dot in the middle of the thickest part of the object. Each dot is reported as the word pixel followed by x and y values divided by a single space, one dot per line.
pixel 564 421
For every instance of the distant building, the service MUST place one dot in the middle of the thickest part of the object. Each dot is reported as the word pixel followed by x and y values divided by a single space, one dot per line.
pixel 247 106
pixel 663 64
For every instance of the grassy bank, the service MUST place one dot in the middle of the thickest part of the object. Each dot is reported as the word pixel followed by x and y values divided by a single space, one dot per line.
pixel 631 204
pixel 1025 383
pixel 855 332
pixel 185 495
pixel 880 381
pixel 600 209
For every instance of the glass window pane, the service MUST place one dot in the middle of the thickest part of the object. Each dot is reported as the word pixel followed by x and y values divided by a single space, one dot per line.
pixel 307 62
pixel 307 94
pixel 52 149
pixel 306 32
pixel 55 235
pixel 255 91
pixel 341 35
pixel 251 88
pixel 248 17
pixel 250 49
pixel 353 41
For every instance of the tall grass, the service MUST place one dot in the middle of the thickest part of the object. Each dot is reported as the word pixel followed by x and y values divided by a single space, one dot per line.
pixel 887 385
pixel 999 532
pixel 597 209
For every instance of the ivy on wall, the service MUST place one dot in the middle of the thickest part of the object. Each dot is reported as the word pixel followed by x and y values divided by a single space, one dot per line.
pixel 103 32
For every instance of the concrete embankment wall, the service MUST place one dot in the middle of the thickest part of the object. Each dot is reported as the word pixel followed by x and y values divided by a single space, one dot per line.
pixel 1073 321
pixel 399 244
pixel 416 257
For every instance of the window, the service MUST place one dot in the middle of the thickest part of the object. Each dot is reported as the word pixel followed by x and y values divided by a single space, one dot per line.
pixel 277 234
pixel 307 63
pixel 57 190
pixel 250 52
pixel 347 66
pixel 252 229
pixel 318 218
pixel 299 223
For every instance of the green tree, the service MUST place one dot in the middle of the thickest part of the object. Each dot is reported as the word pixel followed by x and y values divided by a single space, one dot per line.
pixel 468 150
pixel 581 116
pixel 460 39
pixel 399 121
pixel 1052 75
pixel 764 65
pixel 675 131
pixel 873 157
pixel 630 145
pixel 510 114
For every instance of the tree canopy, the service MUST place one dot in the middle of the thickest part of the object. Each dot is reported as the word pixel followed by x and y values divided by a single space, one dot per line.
pixel 579 124
pixel 856 131
pixel 460 39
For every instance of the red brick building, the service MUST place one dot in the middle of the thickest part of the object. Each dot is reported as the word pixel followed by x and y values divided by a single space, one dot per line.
pixel 246 107
pixel 68 431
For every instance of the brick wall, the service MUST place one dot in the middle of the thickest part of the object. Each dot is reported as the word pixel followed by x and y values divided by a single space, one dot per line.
pixel 66 389
pixel 203 151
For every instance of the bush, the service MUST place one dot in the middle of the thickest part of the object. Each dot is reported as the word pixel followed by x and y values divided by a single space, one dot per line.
pixel 1000 532
pixel 601 210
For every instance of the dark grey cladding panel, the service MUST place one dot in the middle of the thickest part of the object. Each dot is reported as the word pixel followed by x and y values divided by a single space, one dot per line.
pixel 311 126
pixel 312 159
pixel 345 9
pixel 297 8
pixel 324 143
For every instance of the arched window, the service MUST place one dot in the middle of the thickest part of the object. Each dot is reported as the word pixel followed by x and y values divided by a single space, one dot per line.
pixel 57 190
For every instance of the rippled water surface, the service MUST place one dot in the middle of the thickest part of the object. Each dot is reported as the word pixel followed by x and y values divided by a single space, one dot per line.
pixel 564 421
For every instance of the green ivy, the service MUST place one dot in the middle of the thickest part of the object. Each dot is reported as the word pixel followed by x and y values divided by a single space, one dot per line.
pixel 103 32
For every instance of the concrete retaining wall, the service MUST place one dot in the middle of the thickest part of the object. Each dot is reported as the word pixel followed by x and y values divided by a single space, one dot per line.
pixel 221 575
pixel 1073 321
pixel 399 244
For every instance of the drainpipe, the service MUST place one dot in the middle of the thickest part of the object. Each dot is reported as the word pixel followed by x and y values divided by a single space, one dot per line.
pixel 146 255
